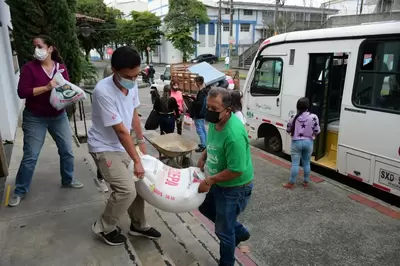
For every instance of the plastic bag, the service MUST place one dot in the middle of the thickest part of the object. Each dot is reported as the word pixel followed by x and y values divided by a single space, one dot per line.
pixel 187 123
pixel 66 93
pixel 167 188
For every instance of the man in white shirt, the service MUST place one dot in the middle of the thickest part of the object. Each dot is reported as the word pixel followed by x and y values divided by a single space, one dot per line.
pixel 227 63
pixel 114 114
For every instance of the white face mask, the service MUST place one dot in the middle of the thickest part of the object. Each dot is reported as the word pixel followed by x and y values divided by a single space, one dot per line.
pixel 41 54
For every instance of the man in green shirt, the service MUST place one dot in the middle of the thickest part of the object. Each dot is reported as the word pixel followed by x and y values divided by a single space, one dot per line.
pixel 229 168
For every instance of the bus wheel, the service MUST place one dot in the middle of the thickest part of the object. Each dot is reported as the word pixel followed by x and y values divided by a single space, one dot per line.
pixel 273 143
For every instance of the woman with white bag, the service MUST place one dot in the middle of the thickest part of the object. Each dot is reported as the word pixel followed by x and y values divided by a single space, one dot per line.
pixel 39 116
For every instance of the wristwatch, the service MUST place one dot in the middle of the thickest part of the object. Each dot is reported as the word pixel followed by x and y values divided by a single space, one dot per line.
pixel 140 141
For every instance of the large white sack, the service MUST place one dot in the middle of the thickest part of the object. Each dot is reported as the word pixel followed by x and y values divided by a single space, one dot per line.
pixel 169 189
pixel 66 93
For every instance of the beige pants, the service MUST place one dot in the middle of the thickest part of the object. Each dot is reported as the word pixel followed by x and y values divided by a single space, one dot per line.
pixel 114 168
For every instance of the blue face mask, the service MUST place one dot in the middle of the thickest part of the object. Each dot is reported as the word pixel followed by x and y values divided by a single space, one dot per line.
pixel 127 83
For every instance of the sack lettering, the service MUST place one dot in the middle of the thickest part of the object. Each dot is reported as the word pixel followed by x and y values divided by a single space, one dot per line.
pixel 173 177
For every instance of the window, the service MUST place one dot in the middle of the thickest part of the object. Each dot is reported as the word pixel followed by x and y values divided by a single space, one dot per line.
pixel 244 27
pixel 225 27
pixel 377 83
pixel 267 78
pixel 291 59
pixel 248 12
pixel 13 51
pixel 227 11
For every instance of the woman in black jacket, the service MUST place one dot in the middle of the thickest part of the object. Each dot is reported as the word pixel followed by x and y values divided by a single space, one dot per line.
pixel 199 108
pixel 168 111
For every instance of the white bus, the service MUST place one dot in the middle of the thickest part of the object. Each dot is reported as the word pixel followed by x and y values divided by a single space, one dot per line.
pixel 351 76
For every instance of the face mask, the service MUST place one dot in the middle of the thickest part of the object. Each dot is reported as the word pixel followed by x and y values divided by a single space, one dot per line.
pixel 41 54
pixel 213 116
pixel 127 83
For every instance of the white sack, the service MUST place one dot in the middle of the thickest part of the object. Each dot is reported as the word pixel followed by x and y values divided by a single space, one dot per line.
pixel 66 93
pixel 169 189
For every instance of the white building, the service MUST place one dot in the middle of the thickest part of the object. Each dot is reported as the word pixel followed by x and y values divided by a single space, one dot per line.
pixel 250 20
pixel 10 104
pixel 127 6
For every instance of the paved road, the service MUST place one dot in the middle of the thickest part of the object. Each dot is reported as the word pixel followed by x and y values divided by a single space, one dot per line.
pixel 322 225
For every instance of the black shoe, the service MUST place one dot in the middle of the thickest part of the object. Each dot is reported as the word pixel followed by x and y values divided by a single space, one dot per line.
pixel 243 238
pixel 114 238
pixel 152 233
pixel 200 149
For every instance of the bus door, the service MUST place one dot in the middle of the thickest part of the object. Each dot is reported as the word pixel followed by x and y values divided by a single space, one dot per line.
pixel 318 85
pixel 266 86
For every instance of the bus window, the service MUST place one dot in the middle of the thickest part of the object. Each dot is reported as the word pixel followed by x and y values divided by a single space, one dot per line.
pixel 378 76
pixel 267 78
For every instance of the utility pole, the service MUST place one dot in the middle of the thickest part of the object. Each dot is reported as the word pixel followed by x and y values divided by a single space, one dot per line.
pixel 231 32
pixel 277 3
pixel 219 29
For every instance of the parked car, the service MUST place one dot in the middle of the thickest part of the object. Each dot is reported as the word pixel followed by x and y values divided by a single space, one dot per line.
pixel 209 58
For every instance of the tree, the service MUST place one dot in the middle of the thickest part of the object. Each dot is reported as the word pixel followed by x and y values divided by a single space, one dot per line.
pixel 104 33
pixel 182 18
pixel 61 27
pixel 54 18
pixel 146 31
pixel 27 19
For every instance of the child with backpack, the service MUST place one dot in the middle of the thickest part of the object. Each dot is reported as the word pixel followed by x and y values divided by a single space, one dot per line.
pixel 199 110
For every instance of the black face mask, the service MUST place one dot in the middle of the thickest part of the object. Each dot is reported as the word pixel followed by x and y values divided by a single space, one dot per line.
pixel 213 116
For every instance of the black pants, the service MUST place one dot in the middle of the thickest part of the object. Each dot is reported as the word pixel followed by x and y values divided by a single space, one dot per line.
pixel 167 123
pixel 179 126
pixel 99 176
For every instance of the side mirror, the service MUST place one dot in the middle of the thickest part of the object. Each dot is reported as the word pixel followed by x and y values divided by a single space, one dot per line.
pixel 162 77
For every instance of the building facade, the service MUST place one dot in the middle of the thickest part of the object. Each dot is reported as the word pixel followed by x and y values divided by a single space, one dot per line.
pixel 251 21
pixel 10 104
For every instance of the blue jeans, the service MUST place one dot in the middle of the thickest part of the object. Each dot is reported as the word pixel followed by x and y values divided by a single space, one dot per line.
pixel 301 150
pixel 35 128
pixel 167 123
pixel 201 131
pixel 223 206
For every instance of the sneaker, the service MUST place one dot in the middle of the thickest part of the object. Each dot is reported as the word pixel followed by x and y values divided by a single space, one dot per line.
pixel 101 183
pixel 15 200
pixel 200 149
pixel 243 238
pixel 305 184
pixel 114 238
pixel 151 233
pixel 74 184
pixel 288 185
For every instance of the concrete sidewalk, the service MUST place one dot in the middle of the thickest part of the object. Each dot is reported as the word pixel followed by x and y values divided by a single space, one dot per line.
pixel 52 226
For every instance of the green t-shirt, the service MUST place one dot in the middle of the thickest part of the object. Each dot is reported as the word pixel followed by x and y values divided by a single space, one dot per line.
pixel 230 149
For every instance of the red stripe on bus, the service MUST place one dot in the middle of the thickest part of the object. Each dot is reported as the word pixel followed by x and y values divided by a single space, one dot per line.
pixel 266 121
pixel 381 187
pixel 279 124
pixel 355 177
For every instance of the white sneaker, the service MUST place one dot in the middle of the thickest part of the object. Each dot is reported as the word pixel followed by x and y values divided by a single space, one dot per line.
pixel 101 184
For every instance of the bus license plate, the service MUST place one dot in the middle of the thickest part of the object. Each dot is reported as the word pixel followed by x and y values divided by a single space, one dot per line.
pixel 389 179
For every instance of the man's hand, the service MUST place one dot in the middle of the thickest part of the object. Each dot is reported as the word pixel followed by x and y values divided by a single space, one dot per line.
pixel 200 164
pixel 204 186
pixel 142 148
pixel 138 170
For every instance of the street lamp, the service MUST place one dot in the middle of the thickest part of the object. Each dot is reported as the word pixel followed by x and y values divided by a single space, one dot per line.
pixel 86 30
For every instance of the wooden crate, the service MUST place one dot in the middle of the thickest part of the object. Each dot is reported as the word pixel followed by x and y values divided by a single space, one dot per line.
pixel 184 78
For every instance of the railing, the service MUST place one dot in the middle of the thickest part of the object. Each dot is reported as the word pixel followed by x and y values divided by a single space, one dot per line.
pixel 79 118
pixel 247 56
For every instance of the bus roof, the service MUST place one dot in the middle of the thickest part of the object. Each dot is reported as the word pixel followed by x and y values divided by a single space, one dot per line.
pixel 336 33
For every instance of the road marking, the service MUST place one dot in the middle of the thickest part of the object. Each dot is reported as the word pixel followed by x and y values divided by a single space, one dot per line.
pixel 7 195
